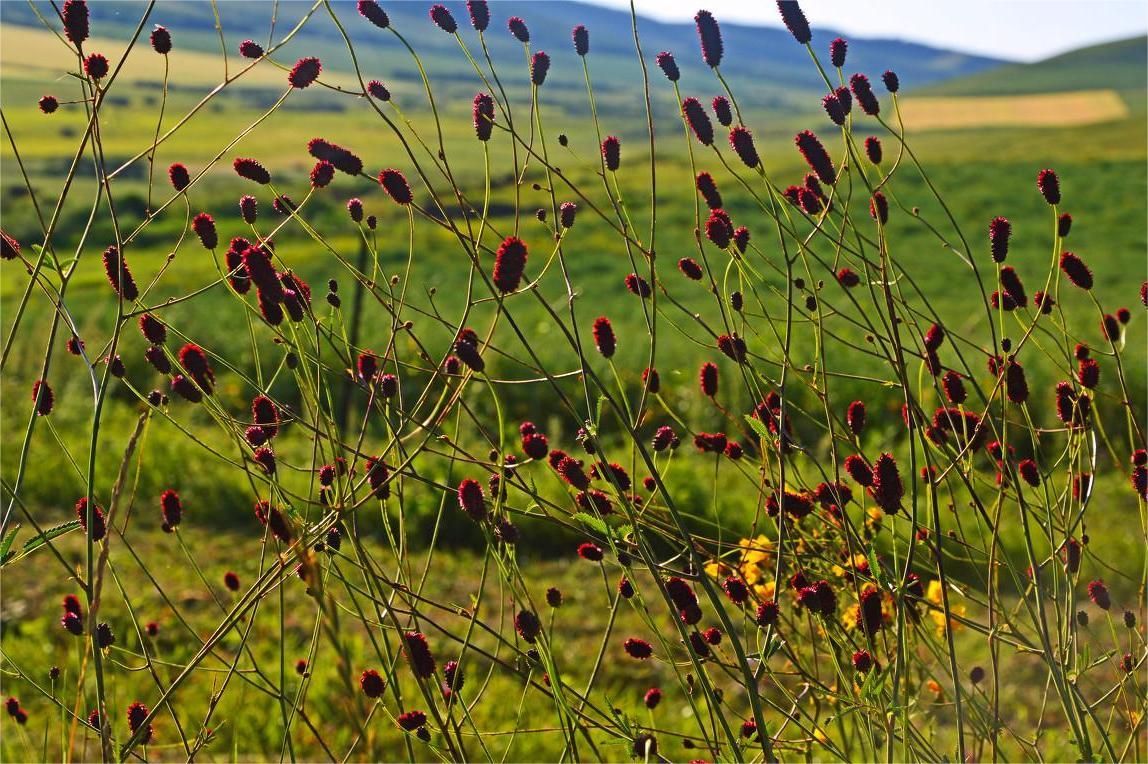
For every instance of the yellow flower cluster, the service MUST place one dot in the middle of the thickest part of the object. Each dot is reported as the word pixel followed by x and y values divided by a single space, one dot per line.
pixel 933 595
pixel 752 566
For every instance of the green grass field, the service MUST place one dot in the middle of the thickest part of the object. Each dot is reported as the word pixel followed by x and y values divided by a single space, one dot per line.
pixel 980 171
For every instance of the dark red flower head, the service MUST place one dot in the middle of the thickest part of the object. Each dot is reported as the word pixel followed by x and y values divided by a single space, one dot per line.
pixel 847 278
pixel 419 654
pixel 96 66
pixel 137 713
pixel 863 92
pixel 1049 185
pixel 509 263
pixel 999 232
pixel 378 91
pixel 251 170
pixel 604 337
pixel 305 72
pixel 161 40
pixel 879 208
pixel 719 228
pixel 118 274
pixel 372 12
pixel 75 17
pixel 581 37
pixel 344 160
pixel 483 114
pixel 887 489
pixel 567 212
pixel 710 36
pixel 322 174
pixel 395 184
pixel 1110 327
pixel 589 551
pixel 539 66
pixel 571 471
pixel 699 121
pixel 612 152
pixel 832 105
pixel 855 417
pixel 794 20
pixel 873 149
pixel 250 49
pixel 709 191
pixel 479 14
pixel 637 285
pixel 443 19
pixel 722 111
pixel 371 683
pixel 1098 593
pixel 204 227
pixel 732 346
pixel 767 613
pixel 892 82
pixel 518 28
pixel 528 626
pixel 668 65
pixel 179 177
pixel 708 379
pixel 837 50
pixel 741 140
pixel 816 156
pixel 1076 271
pixel 43 396
pixel 171 508
pixel 98 528
pixel 862 661
pixel 411 720
pixel 195 363
pixel 48 104
pixel 1063 224
pixel 471 500
pixel 638 648
pixel 869 616
pixel 690 268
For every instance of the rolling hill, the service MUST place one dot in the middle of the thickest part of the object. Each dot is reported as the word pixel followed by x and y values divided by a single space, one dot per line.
pixel 777 73
pixel 1120 65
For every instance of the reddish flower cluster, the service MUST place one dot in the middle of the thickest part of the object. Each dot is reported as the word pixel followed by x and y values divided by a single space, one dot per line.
pixel 172 510
pixel 509 263
pixel 710 36
pixel 794 21
pixel 816 157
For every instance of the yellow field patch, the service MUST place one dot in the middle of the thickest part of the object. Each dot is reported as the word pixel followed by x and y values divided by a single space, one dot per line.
pixel 1081 107
pixel 38 54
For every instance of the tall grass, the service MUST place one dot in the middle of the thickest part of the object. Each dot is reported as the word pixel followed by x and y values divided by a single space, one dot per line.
pixel 848 535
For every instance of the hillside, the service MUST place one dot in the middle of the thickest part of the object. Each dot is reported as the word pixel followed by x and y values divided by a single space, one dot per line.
pixel 766 79
pixel 1120 65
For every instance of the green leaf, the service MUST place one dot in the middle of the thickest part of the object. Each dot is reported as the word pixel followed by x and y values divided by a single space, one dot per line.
pixel 6 544
pixel 757 426
pixel 874 684
pixel 39 540
pixel 876 569
pixel 592 522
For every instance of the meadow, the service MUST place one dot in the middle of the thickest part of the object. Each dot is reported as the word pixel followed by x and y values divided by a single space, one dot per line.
pixel 273 667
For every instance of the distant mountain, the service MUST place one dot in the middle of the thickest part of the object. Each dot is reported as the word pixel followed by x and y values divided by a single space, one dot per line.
pixel 764 65
pixel 1121 65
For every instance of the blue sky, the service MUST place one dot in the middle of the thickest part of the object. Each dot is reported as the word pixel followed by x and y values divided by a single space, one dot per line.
pixel 1021 30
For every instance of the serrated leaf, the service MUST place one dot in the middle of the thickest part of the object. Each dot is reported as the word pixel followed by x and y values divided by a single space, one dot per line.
pixel 592 522
pixel 757 426
pixel 6 544
pixel 39 540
